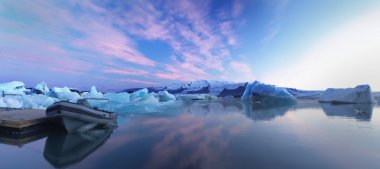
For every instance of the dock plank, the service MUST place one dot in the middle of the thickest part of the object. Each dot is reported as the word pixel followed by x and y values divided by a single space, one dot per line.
pixel 22 118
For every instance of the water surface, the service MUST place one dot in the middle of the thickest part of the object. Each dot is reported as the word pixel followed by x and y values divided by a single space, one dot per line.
pixel 222 134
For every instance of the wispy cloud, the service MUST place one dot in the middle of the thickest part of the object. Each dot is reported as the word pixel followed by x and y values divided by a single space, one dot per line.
pixel 103 37
pixel 135 72
pixel 141 82
pixel 274 27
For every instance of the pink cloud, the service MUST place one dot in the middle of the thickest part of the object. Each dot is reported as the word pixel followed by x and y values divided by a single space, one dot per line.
pixel 64 71
pixel 237 8
pixel 139 82
pixel 135 72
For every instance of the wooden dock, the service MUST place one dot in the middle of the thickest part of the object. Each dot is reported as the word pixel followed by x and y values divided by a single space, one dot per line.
pixel 22 121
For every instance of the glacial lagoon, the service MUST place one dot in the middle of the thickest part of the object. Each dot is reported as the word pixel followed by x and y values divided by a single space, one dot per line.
pixel 213 134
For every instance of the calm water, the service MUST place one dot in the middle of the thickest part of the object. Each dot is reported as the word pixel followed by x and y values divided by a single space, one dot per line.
pixel 214 135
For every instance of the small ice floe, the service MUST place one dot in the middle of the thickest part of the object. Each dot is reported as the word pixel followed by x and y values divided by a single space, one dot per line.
pixel 92 94
pixel 264 93
pixel 165 96
pixel 41 88
pixel 64 94
pixel 14 87
pixel 359 95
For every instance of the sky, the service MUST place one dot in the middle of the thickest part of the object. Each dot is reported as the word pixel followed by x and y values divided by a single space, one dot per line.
pixel 312 44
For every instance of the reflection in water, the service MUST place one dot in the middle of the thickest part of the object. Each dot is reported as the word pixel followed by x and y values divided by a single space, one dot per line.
pixel 20 140
pixel 205 108
pixel 63 149
pixel 217 135
pixel 254 111
pixel 257 111
pixel 361 112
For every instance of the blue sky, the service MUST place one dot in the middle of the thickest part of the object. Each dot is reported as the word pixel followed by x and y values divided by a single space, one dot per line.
pixel 119 44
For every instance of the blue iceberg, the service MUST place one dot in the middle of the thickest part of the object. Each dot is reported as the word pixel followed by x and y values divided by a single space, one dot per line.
pixel 264 93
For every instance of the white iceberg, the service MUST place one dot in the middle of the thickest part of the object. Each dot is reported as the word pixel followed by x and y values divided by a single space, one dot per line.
pixel 10 102
pixel 93 93
pixel 35 101
pixel 258 91
pixel 138 94
pixel 360 94
pixel 138 102
pixel 164 96
pixel 64 94
pixel 122 97
pixel 14 87
pixel 42 87
pixel 145 103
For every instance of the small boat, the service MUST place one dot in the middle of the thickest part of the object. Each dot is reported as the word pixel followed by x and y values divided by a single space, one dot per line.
pixel 79 116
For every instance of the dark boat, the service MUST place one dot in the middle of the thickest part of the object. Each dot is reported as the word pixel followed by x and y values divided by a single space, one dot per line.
pixel 79 116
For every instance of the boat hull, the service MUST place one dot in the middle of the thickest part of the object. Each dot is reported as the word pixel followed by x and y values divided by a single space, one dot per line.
pixel 73 117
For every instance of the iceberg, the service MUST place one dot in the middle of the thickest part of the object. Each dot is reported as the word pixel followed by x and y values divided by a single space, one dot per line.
pixel 164 96
pixel 358 95
pixel 140 101
pixel 145 104
pixel 41 88
pixel 261 92
pixel 138 94
pixel 14 87
pixel 93 93
pixel 122 97
pixel 36 101
pixel 64 94
pixel 10 102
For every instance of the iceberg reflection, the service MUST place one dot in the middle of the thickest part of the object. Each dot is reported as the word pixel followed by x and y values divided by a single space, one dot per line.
pixel 361 112
pixel 257 111
pixel 63 149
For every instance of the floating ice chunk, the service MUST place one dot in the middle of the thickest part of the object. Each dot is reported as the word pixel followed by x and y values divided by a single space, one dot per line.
pixel 266 93
pixel 122 97
pixel 359 94
pixel 147 99
pixel 14 87
pixel 38 101
pixel 93 93
pixel 64 94
pixel 42 87
pixel 164 96
pixel 10 102
pixel 138 94
pixel 2 103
